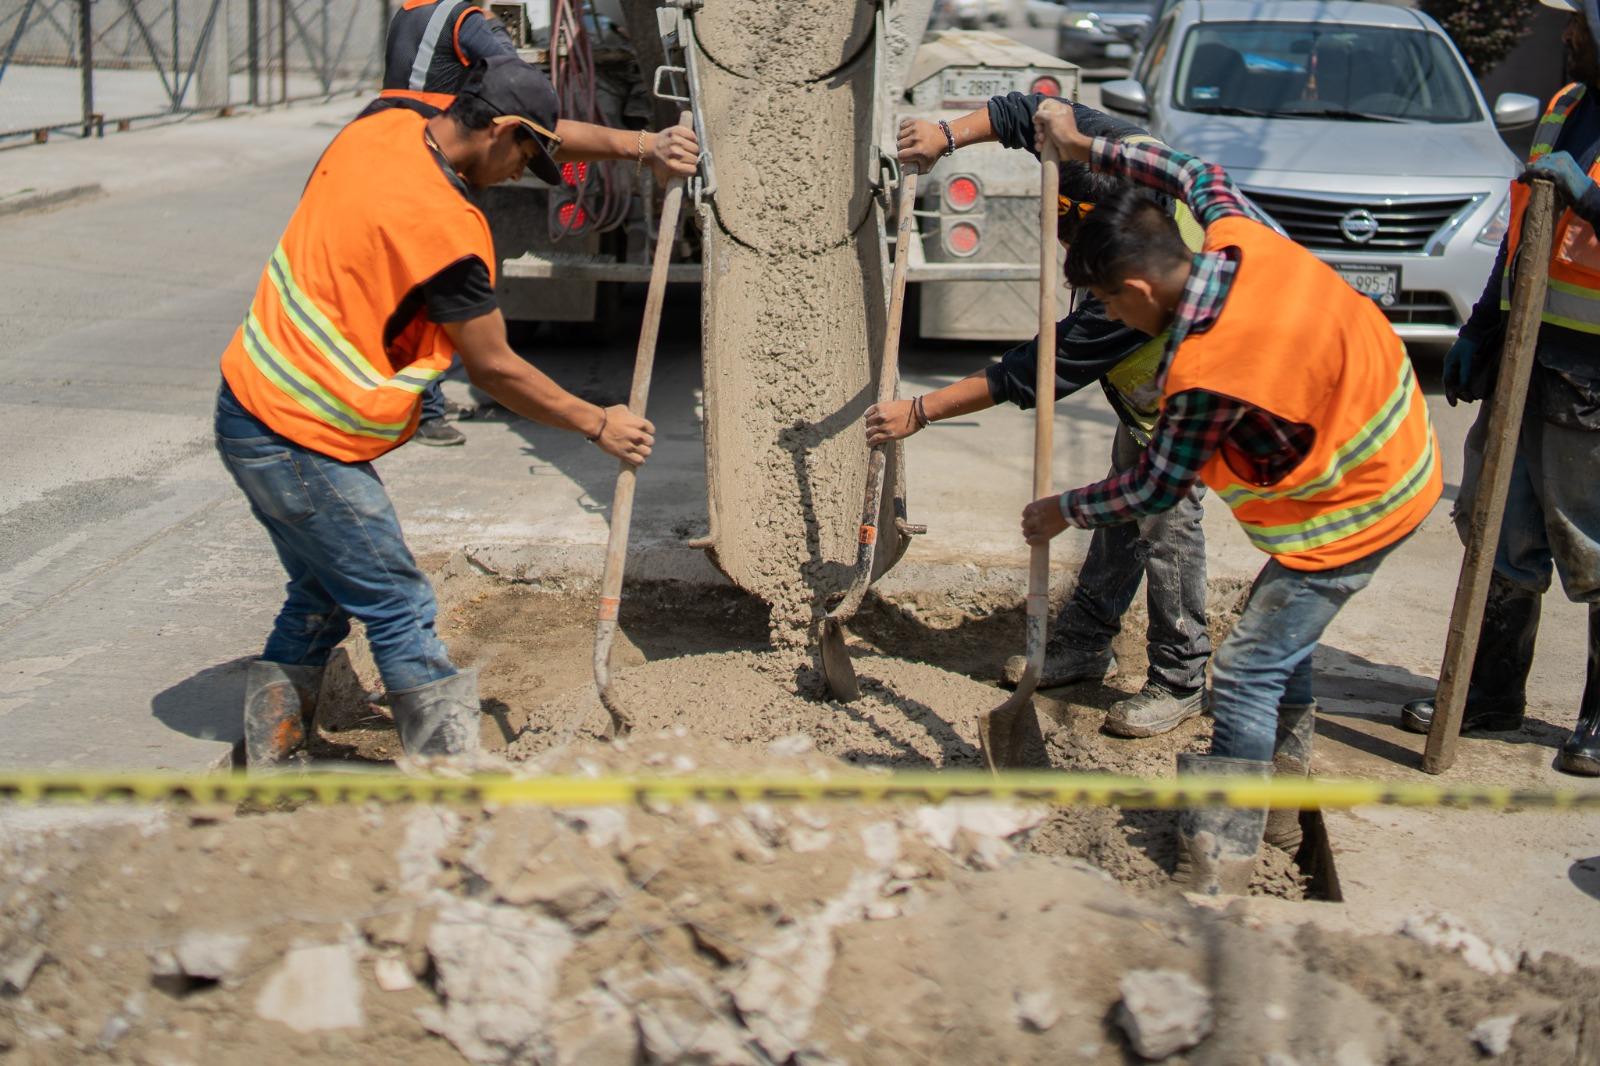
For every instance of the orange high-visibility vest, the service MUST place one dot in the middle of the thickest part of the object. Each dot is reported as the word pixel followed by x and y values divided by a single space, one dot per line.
pixel 1572 299
pixel 377 219
pixel 1296 341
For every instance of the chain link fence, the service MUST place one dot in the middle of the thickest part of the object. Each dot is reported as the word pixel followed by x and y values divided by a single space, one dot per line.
pixel 80 65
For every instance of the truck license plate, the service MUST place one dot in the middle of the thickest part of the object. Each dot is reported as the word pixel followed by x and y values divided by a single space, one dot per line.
pixel 1379 282
pixel 977 85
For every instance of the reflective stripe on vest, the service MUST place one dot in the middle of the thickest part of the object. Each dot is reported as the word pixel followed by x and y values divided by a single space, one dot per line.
pixel 421 53
pixel 321 357
pixel 1294 340
pixel 1572 300
pixel 418 80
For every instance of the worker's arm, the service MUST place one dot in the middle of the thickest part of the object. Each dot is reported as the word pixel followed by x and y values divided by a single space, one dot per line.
pixel 897 419
pixel 1204 187
pixel 1191 429
pixel 480 35
pixel 502 373
pixel 673 151
pixel 1007 120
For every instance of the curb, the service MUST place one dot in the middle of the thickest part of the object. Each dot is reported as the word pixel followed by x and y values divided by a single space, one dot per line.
pixel 40 199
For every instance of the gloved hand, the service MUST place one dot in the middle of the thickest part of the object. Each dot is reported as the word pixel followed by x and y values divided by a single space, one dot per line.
pixel 1564 170
pixel 1458 370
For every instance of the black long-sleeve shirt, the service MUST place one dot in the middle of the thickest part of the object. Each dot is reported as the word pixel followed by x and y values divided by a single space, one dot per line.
pixel 1566 380
pixel 1088 344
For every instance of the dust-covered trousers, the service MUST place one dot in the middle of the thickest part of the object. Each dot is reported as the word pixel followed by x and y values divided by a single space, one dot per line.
pixel 339 539
pixel 1266 659
pixel 1168 549
pixel 1552 518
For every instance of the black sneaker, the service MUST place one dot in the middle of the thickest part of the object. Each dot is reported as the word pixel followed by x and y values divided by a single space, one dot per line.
pixel 438 433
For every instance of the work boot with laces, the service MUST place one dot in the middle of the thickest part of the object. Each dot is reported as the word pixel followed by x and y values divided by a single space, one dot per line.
pixel 1154 710
pixel 438 433
pixel 1291 757
pixel 1063 665
pixel 1217 845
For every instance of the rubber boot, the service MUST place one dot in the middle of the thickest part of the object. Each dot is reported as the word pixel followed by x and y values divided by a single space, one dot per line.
pixel 1581 753
pixel 1217 845
pixel 1291 757
pixel 1498 692
pixel 280 708
pixel 439 718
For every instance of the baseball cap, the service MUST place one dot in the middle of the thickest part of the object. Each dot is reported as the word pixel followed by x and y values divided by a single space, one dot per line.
pixel 1561 5
pixel 519 92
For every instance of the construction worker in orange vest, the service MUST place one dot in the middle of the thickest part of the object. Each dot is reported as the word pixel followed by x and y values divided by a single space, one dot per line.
pixel 1552 514
pixel 430 46
pixel 1289 395
pixel 385 270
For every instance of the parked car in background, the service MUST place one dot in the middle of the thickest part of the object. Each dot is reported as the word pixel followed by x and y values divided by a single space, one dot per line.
pixel 1354 128
pixel 1099 33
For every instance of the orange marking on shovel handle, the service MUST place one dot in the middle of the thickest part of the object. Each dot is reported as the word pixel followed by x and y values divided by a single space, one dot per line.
pixel 868 534
pixel 609 606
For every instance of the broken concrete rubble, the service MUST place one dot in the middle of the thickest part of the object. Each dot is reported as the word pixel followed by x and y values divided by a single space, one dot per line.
pixel 1163 1012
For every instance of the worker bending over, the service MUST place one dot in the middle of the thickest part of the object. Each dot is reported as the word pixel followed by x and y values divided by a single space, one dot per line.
pixel 430 46
pixel 1552 509
pixel 1287 393
pixel 1168 547
pixel 385 269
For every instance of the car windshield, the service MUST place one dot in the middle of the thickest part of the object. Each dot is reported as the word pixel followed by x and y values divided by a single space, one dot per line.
pixel 1323 70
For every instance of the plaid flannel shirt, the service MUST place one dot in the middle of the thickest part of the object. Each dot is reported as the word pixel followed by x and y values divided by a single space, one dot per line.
pixel 1196 423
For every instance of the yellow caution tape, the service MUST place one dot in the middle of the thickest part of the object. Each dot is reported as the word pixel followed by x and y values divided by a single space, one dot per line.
pixel 1063 789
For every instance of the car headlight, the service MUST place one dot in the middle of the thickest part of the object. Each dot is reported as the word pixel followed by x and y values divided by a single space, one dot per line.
pixel 1495 231
pixel 1081 20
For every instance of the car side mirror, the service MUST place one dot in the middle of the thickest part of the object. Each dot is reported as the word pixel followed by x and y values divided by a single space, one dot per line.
pixel 1126 94
pixel 1515 110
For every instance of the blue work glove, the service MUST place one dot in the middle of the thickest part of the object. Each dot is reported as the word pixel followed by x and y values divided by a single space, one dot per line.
pixel 1458 369
pixel 1564 170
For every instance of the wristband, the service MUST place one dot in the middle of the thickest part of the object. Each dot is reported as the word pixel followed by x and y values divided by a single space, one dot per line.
pixel 919 413
pixel 605 413
pixel 949 138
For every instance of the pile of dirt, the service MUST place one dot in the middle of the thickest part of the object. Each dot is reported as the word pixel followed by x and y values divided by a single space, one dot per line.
pixel 702 934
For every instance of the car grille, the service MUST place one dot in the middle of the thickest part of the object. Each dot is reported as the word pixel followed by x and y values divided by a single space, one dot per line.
pixel 1404 225
pixel 1418 307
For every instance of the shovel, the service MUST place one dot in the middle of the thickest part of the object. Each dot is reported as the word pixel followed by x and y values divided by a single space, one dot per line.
pixel 627 476
pixel 836 666
pixel 992 721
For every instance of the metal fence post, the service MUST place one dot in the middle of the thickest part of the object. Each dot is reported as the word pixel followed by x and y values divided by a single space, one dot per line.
pixel 253 49
pixel 283 48
pixel 86 57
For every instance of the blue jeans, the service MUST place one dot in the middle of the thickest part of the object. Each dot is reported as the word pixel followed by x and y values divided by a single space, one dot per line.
pixel 433 400
pixel 1266 660
pixel 339 539
pixel 1167 552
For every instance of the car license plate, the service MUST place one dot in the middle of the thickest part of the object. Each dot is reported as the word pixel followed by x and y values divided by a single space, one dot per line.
pixel 1119 51
pixel 977 85
pixel 1382 283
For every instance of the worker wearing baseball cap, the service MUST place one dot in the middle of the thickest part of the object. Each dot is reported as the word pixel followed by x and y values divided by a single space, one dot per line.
pixel 1552 515
pixel 385 269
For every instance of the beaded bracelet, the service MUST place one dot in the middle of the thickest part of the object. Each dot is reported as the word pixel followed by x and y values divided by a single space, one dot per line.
pixel 949 138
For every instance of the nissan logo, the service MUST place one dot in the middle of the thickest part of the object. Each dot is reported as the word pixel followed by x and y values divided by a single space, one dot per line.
pixel 1359 226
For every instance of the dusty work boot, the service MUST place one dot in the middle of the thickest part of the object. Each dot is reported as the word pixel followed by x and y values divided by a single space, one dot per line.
pixel 1581 753
pixel 280 708
pixel 1154 710
pixel 439 718
pixel 438 433
pixel 1217 845
pixel 1063 665
pixel 1497 693
pixel 1291 757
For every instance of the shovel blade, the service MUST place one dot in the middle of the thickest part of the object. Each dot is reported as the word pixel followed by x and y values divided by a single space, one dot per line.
pixel 837 669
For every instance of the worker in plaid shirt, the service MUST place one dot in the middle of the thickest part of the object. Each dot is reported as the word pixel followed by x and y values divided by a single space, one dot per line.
pixel 1290 396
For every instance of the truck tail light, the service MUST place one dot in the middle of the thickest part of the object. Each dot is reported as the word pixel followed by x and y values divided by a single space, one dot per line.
pixel 961 193
pixel 1046 86
pixel 574 174
pixel 962 239
pixel 572 216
